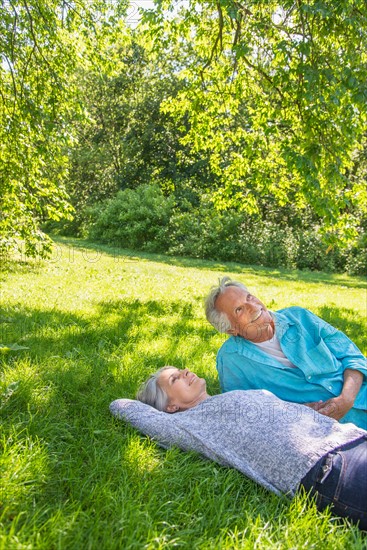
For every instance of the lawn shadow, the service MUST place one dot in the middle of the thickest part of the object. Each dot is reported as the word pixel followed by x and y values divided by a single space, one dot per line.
pixel 59 389
pixel 75 366
pixel 123 335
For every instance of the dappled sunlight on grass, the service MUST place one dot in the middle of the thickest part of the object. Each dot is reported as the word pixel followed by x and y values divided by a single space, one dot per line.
pixel 96 322
pixel 141 459
pixel 25 468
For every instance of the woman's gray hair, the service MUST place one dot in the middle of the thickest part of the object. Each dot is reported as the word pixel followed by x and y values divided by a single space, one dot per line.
pixel 216 318
pixel 151 393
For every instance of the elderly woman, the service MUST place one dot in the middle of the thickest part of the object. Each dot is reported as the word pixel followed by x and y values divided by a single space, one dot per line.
pixel 283 446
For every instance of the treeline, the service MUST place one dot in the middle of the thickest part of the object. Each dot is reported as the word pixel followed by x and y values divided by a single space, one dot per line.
pixel 216 130
pixel 138 182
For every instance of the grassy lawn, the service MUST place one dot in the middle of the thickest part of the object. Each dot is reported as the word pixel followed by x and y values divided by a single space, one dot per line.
pixel 95 322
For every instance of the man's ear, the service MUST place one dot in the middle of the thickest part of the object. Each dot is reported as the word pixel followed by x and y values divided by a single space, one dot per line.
pixel 172 408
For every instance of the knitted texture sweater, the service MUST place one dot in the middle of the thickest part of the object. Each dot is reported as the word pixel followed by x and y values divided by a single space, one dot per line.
pixel 273 442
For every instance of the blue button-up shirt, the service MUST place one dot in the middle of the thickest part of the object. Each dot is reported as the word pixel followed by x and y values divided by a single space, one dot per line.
pixel 319 352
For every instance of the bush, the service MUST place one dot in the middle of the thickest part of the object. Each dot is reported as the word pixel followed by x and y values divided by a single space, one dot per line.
pixel 204 233
pixel 144 219
pixel 135 219
pixel 231 236
pixel 356 262
pixel 314 254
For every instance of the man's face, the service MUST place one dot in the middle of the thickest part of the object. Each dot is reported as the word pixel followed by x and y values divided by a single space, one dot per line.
pixel 183 388
pixel 248 316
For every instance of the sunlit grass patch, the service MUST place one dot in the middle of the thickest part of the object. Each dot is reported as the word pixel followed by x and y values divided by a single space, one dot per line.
pixel 96 322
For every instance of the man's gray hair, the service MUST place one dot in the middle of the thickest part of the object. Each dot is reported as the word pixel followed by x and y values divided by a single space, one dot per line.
pixel 216 318
pixel 151 393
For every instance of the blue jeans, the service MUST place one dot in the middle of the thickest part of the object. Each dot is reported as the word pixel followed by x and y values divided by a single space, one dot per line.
pixel 339 479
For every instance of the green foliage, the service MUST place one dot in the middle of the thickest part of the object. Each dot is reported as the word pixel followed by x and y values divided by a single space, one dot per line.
pixel 37 61
pixel 238 237
pixel 260 106
pixel 214 100
pixel 135 219
pixel 356 261
pixel 127 140
pixel 144 219
pixel 312 253
pixel 275 94
pixel 40 48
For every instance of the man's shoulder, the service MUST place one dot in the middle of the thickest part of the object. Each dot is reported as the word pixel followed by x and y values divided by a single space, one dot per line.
pixel 293 310
pixel 294 313
pixel 232 345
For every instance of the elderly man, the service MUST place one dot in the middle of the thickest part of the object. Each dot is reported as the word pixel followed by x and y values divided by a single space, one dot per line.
pixel 290 352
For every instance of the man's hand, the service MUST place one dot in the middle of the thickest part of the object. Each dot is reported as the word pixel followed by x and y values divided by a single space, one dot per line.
pixel 337 407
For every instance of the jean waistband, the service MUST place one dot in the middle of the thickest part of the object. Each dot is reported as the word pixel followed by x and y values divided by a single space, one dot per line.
pixel 322 466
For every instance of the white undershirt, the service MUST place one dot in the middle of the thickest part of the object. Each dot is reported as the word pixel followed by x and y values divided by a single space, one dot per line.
pixel 272 347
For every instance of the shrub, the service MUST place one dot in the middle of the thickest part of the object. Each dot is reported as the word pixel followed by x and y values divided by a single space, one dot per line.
pixel 356 262
pixel 134 218
pixel 145 219
pixel 231 236
pixel 314 254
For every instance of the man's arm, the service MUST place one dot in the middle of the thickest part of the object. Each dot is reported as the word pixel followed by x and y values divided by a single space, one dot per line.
pixel 343 348
pixel 337 407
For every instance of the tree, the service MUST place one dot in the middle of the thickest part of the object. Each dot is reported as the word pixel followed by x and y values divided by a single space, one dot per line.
pixel 126 140
pixel 276 94
pixel 40 44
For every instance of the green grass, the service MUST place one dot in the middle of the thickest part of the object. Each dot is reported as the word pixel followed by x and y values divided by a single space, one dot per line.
pixel 96 322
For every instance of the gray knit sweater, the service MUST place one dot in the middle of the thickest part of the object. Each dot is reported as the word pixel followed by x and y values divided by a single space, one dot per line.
pixel 269 440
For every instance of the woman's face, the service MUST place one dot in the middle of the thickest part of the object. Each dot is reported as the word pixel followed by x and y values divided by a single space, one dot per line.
pixel 183 388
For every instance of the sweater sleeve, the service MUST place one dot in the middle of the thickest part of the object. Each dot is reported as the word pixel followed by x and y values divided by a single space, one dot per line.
pixel 160 426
